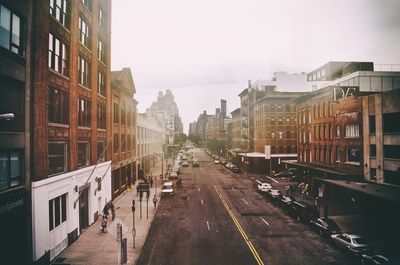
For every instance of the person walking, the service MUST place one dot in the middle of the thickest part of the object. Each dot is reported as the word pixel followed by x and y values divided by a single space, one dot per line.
pixel 155 201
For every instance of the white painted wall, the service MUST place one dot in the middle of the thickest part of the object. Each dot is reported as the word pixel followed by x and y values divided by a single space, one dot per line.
pixel 56 240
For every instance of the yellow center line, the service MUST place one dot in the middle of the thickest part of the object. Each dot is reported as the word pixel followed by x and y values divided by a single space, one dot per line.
pixel 239 227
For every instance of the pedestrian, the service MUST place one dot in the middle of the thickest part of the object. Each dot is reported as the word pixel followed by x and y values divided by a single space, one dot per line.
pixel 151 182
pixel 104 224
pixel 137 190
pixel 155 201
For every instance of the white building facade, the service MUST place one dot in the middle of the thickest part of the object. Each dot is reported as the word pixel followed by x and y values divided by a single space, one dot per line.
pixel 64 204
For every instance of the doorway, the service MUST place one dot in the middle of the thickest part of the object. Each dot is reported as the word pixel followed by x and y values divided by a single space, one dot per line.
pixel 84 209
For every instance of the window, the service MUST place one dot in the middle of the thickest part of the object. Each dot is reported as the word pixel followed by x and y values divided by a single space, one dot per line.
pixel 101 116
pixel 309 136
pixel 84 71
pixel 337 131
pixel 10 169
pixel 353 155
pixel 391 122
pixel 391 151
pixel 392 177
pixel 372 124
pixel 101 84
pixel 372 174
pixel 57 211
pixel 337 154
pixel 101 51
pixel 102 18
pixel 59 9
pixel 123 114
pixel 100 149
pixel 87 3
pixel 280 135
pixel 116 143
pixel 10 31
pixel 58 111
pixel 83 112
pixel 116 180
pixel 83 154
pixel 372 150
pixel 323 72
pixel 58 55
pixel 84 32
pixel 116 113
pixel 352 131
pixel 123 143
pixel 57 157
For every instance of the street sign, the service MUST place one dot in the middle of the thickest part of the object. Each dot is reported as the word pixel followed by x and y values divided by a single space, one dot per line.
pixel 267 150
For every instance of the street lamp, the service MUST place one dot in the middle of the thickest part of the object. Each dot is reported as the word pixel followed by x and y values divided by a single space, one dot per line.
pixel 7 116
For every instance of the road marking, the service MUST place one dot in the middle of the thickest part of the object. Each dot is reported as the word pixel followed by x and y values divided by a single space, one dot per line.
pixel 233 189
pixel 198 188
pixel 245 201
pixel 264 221
pixel 202 203
pixel 239 227
pixel 252 177
pixel 208 226
pixel 273 179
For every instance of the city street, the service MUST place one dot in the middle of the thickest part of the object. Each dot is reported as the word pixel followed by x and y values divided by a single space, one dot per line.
pixel 218 217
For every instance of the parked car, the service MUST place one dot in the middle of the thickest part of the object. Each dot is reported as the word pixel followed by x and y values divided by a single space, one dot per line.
pixel 324 226
pixel 373 260
pixel 195 163
pixel 228 165
pixel 274 194
pixel 216 161
pixel 355 244
pixel 168 188
pixel 284 174
pixel 185 163
pixel 286 201
pixel 235 169
pixel 264 187
pixel 302 211
pixel 173 175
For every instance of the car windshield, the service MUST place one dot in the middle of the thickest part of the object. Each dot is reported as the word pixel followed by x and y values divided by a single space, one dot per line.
pixel 360 241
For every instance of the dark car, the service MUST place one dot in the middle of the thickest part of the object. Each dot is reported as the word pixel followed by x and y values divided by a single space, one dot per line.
pixel 374 260
pixel 324 226
pixel 302 211
pixel 235 169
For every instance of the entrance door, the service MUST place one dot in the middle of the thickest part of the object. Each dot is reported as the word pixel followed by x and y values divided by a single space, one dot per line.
pixel 84 209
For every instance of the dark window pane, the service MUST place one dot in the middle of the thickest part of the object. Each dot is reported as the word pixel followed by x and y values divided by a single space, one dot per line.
pixel 57 158
pixel 51 215
pixel 372 124
pixel 391 122
pixel 64 207
pixel 4 171
pixel 57 211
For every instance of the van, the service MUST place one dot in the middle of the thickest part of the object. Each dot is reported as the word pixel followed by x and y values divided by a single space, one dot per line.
pixel 302 211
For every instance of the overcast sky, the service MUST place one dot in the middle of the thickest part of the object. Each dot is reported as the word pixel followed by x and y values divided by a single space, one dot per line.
pixel 207 50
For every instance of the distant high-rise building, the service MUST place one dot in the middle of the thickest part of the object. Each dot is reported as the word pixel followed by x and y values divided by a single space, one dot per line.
pixel 166 104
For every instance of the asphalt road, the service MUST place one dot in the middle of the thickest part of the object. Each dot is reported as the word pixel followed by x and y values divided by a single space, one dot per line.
pixel 218 217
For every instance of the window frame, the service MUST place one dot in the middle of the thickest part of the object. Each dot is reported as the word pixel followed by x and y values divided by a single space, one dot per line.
pixel 65 158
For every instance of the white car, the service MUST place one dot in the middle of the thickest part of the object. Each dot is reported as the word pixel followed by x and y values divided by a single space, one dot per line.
pixel 355 244
pixel 216 161
pixel 173 175
pixel 185 164
pixel 168 188
pixel 264 187
pixel 274 193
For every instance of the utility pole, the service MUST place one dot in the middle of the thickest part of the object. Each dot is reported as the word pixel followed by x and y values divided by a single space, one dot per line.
pixel 133 222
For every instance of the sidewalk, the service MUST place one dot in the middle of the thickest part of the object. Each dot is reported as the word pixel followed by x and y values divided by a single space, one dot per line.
pixel 94 247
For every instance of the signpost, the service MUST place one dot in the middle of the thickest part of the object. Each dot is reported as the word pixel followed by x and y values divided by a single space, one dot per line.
pixel 267 152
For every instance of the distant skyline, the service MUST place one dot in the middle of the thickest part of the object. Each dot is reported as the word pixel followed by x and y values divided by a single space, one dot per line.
pixel 206 50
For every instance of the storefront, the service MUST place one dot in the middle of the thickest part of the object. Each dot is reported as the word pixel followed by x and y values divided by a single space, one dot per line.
pixel 14 242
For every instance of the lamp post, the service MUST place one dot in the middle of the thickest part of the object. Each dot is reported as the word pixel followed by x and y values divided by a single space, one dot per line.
pixel 133 222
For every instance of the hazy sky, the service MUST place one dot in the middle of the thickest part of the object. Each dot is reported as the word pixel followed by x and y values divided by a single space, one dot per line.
pixel 205 50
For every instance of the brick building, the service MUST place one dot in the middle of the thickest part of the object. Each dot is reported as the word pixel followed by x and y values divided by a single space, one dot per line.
pixel 275 125
pixel 123 130
pixel 15 116
pixel 236 139
pixel 71 180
